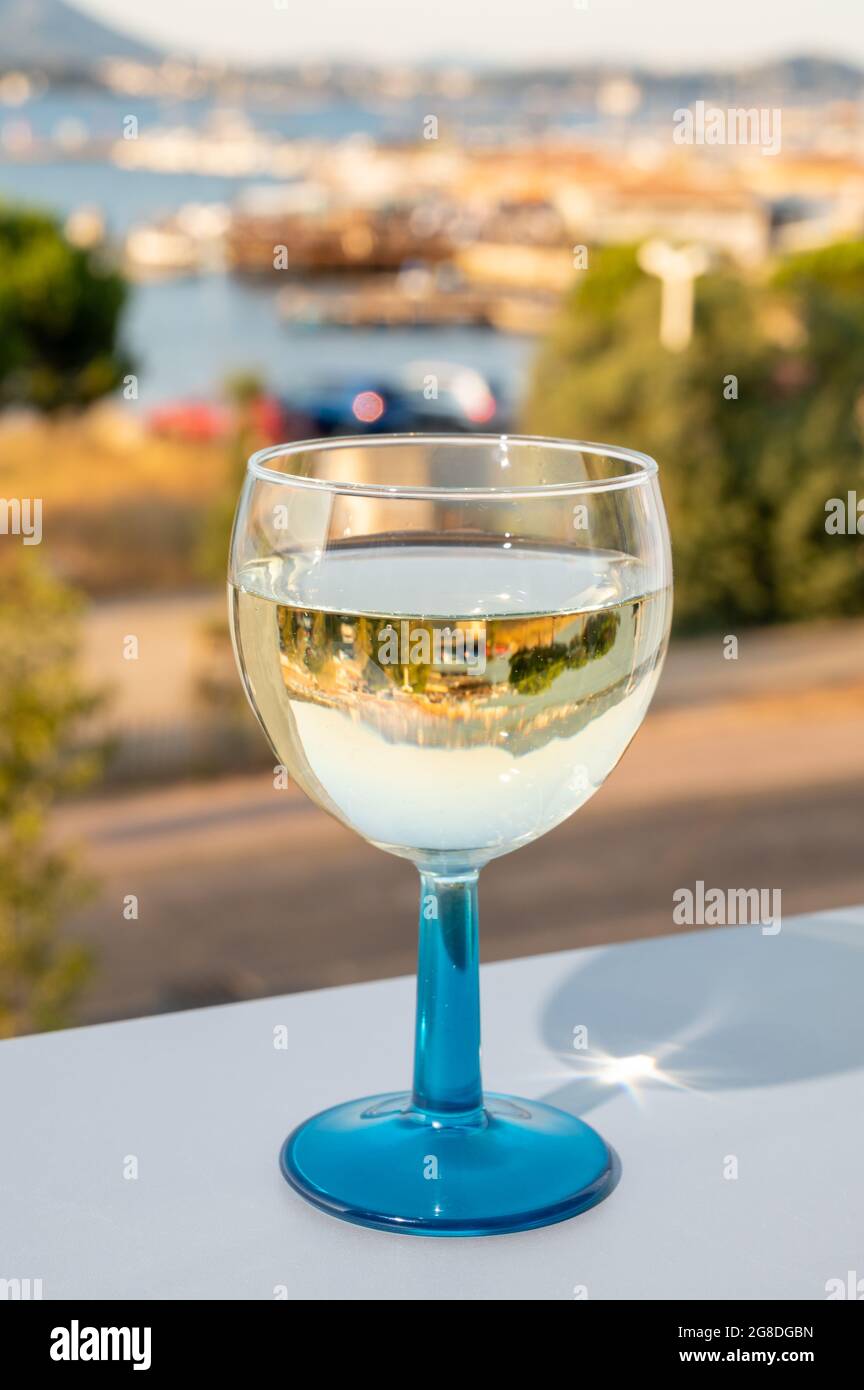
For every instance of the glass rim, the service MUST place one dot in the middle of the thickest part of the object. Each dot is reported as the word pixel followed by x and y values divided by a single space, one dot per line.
pixel 643 467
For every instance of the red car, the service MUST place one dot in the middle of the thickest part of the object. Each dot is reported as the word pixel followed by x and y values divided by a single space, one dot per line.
pixel 205 421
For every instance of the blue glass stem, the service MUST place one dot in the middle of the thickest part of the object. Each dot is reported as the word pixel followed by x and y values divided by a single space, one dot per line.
pixel 447 1044
pixel 446 1164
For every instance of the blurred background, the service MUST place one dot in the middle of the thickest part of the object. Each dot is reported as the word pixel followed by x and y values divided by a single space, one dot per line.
pixel 237 225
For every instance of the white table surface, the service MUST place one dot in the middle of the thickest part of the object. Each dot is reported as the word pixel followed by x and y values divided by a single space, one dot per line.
pixel 759 1041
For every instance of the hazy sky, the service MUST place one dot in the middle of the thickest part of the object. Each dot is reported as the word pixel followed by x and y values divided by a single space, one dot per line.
pixel 659 32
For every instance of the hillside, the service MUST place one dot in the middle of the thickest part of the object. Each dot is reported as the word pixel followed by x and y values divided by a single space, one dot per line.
pixel 52 35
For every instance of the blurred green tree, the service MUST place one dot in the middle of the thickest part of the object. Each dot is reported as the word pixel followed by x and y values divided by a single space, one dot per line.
pixel 59 316
pixel 41 707
pixel 756 424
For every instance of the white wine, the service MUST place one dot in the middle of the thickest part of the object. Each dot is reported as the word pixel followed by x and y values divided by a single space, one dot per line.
pixel 449 701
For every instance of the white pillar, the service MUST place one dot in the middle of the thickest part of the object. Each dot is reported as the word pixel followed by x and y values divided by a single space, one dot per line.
pixel 676 267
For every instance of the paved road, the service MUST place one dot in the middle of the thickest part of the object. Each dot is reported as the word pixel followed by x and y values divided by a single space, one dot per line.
pixel 246 890
pixel 151 683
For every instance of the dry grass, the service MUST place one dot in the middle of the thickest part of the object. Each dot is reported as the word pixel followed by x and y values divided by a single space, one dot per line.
pixel 122 511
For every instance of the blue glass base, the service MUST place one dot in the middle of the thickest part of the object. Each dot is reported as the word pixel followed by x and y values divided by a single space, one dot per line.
pixel 379 1162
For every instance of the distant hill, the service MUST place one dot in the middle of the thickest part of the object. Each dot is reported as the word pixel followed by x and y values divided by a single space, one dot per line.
pixel 58 38
pixel 805 74
pixel 52 35
pixel 797 79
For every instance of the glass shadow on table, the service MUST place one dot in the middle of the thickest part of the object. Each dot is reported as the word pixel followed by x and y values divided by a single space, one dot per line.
pixel 708 1011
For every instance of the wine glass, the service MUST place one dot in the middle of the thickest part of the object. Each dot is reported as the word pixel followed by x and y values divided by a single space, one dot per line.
pixel 449 642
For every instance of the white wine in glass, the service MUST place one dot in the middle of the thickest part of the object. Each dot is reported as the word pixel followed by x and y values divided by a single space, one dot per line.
pixel 449 643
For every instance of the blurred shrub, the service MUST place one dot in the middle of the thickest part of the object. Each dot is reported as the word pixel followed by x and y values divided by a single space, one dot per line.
pixel 41 707
pixel 129 545
pixel 745 480
pixel 243 391
pixel 59 315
